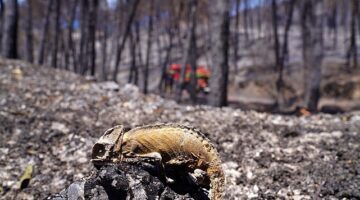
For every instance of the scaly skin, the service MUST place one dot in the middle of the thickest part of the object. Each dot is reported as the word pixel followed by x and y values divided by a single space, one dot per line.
pixel 174 144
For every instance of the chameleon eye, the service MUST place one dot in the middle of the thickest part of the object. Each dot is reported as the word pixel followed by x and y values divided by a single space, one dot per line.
pixel 98 151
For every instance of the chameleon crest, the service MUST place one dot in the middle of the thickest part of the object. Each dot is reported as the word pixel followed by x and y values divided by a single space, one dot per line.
pixel 169 144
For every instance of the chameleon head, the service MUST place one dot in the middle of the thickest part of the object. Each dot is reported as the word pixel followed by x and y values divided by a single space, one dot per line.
pixel 108 147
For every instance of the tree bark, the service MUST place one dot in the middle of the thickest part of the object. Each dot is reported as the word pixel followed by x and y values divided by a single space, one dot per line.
pixel 29 37
pixel 9 42
pixel 92 35
pixel 275 33
pixel 55 42
pixel 193 53
pixel 44 33
pixel 120 46
pixel 138 45
pixel 2 14
pixel 70 47
pixel 332 22
pixel 148 47
pixel 312 37
pixel 352 52
pixel 83 59
pixel 219 15
pixel 246 19
pixel 166 60
pixel 284 54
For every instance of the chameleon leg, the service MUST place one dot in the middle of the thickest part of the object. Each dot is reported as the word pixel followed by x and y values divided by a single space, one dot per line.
pixel 154 163
pixel 151 157
pixel 199 177
pixel 153 160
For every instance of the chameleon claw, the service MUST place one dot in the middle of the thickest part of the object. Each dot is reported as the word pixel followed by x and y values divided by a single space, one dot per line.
pixel 169 180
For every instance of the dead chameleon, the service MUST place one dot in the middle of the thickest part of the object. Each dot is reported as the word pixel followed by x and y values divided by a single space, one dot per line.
pixel 168 144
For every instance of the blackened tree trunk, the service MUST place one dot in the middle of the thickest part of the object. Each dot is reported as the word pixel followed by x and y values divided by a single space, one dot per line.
pixel 121 45
pixel 193 53
pixel 55 42
pixel 138 45
pixel 92 35
pixel 83 59
pixel 166 60
pixel 332 23
pixel 219 16
pixel 259 22
pixel 44 33
pixel 352 52
pixel 29 37
pixel 246 19
pixel 9 42
pixel 236 34
pixel 312 37
pixel 284 53
pixel 148 47
pixel 70 50
pixel 188 51
pixel 2 14
pixel 275 33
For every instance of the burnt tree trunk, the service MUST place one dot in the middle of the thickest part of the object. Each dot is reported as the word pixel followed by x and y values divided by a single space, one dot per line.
pixel 219 15
pixel 70 47
pixel 148 48
pixel 120 46
pixel 44 33
pixel 246 19
pixel 2 14
pixel 166 60
pixel 9 42
pixel 28 32
pixel 55 42
pixel 312 37
pixel 83 60
pixel 332 23
pixel 275 33
pixel 352 52
pixel 284 53
pixel 138 46
pixel 193 52
pixel 92 35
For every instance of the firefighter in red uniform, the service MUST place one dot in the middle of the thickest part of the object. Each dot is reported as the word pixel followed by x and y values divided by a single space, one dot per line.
pixel 173 75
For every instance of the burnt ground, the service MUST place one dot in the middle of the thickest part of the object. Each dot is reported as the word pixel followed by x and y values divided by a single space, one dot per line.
pixel 51 118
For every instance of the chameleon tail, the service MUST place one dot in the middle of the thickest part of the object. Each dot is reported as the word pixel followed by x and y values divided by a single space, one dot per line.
pixel 217 182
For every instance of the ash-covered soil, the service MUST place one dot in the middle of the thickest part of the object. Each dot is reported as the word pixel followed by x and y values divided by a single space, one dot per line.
pixel 51 118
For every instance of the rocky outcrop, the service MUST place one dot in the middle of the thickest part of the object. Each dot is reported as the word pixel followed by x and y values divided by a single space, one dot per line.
pixel 125 181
